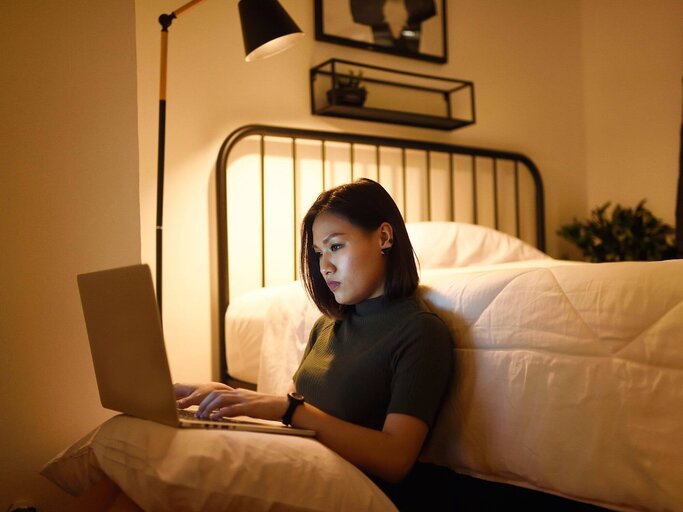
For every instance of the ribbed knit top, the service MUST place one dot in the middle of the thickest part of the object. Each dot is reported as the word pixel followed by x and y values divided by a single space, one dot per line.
pixel 386 357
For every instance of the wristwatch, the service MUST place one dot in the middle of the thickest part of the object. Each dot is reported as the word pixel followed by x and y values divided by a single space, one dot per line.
pixel 295 400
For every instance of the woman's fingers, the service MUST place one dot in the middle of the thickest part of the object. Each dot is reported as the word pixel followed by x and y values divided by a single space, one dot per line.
pixel 242 402
pixel 188 395
pixel 217 400
pixel 225 412
pixel 183 390
pixel 192 399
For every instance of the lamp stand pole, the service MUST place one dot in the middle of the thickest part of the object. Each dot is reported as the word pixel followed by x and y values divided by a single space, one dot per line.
pixel 266 29
pixel 165 20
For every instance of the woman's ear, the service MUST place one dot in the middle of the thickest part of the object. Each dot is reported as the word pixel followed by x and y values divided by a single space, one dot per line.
pixel 386 236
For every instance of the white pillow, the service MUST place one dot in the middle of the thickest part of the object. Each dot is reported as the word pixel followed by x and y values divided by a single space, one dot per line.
pixel 164 468
pixel 458 244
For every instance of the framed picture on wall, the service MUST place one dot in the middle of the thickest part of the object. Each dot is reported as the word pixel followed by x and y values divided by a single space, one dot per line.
pixel 409 28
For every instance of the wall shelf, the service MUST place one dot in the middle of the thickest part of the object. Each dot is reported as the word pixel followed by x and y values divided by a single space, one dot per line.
pixel 392 96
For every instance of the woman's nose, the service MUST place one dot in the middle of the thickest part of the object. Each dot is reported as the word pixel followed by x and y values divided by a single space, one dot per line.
pixel 326 266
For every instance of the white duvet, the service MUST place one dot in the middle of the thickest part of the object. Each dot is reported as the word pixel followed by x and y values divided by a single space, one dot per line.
pixel 569 377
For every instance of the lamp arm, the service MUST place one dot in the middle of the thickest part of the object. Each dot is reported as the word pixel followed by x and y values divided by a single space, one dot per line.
pixel 165 20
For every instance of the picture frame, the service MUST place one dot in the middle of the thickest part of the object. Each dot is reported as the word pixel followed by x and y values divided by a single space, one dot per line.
pixel 415 29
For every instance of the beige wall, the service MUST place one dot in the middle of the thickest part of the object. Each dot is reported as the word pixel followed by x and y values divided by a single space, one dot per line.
pixel 70 203
pixel 633 67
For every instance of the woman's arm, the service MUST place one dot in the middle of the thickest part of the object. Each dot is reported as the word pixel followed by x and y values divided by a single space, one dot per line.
pixel 388 454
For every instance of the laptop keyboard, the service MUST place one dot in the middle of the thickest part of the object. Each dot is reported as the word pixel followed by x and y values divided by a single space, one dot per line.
pixel 192 415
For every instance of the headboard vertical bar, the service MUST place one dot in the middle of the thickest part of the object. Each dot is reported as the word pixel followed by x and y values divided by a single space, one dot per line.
pixel 323 158
pixel 495 194
pixel 294 205
pixel 403 176
pixel 377 162
pixel 352 158
pixel 263 211
pixel 518 230
pixel 475 209
pixel 451 171
pixel 428 162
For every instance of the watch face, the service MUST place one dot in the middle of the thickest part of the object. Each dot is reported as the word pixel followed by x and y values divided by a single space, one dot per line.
pixel 297 396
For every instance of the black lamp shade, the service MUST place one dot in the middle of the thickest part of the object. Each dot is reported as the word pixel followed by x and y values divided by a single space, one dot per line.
pixel 267 29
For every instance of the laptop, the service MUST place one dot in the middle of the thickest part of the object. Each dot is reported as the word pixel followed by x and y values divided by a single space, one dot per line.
pixel 129 353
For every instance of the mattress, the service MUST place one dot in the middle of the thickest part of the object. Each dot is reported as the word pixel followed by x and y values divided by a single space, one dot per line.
pixel 569 380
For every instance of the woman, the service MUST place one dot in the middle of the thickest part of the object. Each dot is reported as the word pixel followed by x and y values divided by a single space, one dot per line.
pixel 377 364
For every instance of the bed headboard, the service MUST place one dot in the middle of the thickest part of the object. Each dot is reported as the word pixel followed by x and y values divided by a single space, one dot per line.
pixel 267 177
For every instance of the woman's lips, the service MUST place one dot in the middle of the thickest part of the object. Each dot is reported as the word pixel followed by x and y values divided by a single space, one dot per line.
pixel 333 285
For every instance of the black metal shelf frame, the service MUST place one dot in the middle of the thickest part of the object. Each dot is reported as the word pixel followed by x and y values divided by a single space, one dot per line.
pixel 452 91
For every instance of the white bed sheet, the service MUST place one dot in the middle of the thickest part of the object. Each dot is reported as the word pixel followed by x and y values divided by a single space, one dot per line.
pixel 569 377
pixel 248 321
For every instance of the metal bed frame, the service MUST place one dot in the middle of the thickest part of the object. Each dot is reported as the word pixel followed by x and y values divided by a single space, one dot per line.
pixel 520 163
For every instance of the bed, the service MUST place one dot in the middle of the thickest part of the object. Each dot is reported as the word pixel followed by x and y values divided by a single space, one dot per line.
pixel 569 376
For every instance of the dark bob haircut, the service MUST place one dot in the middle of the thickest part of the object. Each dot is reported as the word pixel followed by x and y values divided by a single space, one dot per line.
pixel 366 205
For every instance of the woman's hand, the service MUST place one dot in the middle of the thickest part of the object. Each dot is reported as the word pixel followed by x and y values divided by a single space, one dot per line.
pixel 230 402
pixel 193 394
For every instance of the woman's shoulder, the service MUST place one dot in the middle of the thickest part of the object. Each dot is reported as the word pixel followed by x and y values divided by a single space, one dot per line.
pixel 426 323
pixel 424 342
pixel 431 323
pixel 322 324
pixel 420 310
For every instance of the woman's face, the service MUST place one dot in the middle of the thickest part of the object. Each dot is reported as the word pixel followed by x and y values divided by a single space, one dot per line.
pixel 350 259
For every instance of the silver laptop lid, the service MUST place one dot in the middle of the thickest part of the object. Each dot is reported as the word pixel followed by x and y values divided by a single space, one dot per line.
pixel 127 345
pixel 129 354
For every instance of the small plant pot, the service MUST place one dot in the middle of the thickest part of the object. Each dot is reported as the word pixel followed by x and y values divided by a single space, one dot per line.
pixel 352 96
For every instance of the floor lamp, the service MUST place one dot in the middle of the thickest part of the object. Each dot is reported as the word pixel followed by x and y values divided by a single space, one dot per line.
pixel 267 29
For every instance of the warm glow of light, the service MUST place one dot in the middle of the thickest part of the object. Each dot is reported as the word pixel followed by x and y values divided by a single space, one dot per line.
pixel 282 224
pixel 274 47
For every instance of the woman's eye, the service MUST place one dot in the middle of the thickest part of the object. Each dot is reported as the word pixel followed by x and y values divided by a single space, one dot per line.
pixel 335 247
pixel 318 254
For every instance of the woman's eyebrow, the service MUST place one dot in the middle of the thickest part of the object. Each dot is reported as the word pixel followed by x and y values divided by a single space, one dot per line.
pixel 330 236
pixel 327 239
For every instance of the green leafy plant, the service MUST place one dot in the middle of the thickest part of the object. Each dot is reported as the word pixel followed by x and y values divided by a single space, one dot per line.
pixel 627 234
pixel 346 89
pixel 350 81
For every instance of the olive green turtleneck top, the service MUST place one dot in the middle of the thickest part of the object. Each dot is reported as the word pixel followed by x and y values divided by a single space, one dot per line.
pixel 386 357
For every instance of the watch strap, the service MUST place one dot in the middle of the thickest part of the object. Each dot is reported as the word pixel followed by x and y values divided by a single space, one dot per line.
pixel 295 400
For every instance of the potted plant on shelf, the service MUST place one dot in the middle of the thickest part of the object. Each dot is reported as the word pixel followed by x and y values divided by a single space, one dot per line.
pixel 346 89
pixel 627 234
